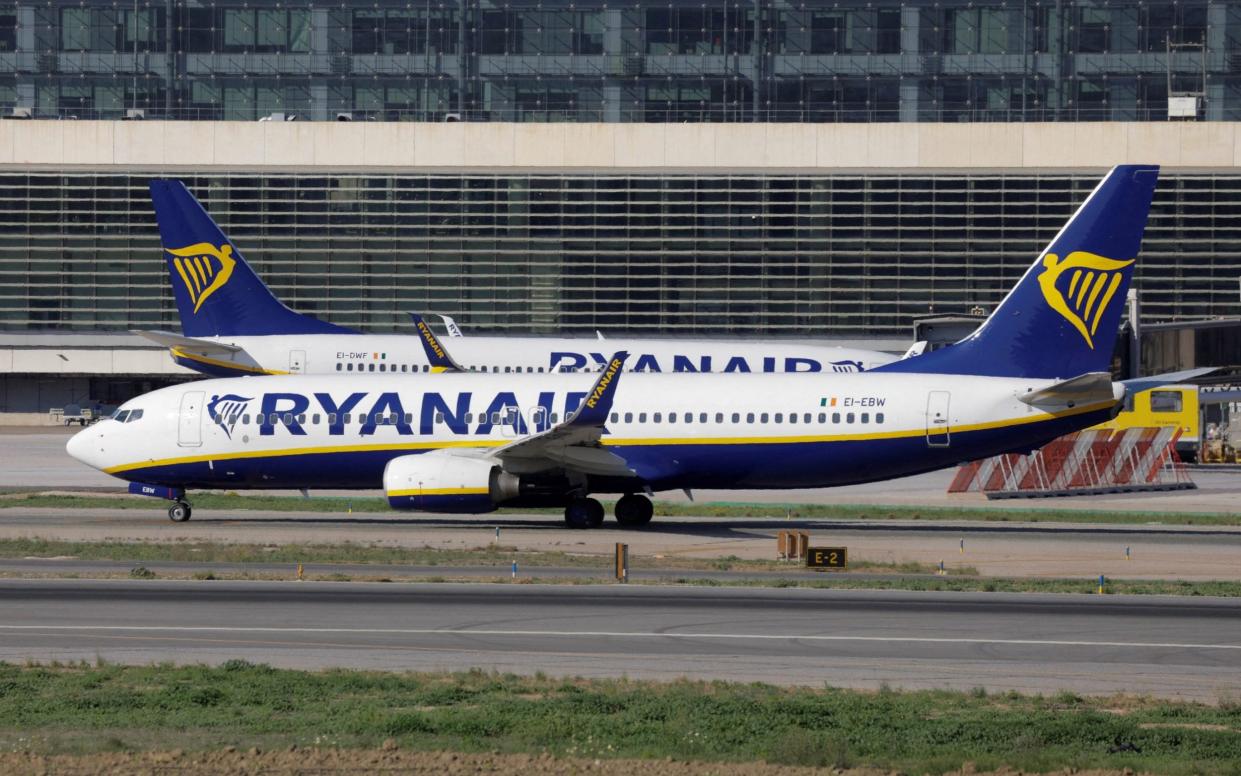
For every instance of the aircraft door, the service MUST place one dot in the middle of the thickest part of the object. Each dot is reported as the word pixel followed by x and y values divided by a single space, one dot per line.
pixel 190 429
pixel 297 362
pixel 538 420
pixel 937 432
pixel 510 419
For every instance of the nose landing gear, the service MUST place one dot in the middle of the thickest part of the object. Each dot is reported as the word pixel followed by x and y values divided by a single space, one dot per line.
pixel 179 512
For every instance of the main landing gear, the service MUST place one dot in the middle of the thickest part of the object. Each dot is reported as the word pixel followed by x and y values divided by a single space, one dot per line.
pixel 632 511
pixel 583 513
pixel 179 512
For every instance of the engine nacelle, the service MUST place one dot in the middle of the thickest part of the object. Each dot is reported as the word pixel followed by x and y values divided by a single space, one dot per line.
pixel 440 481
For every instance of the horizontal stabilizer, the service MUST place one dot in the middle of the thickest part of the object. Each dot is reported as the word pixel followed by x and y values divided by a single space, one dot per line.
pixel 1083 389
pixel 1139 384
pixel 170 340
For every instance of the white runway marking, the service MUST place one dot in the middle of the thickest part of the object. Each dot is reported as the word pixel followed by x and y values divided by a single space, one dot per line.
pixel 612 634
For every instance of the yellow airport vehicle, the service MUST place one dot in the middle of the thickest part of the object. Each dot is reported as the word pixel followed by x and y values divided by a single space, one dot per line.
pixel 1167 405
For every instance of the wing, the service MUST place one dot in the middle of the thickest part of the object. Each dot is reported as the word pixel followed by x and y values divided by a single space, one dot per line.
pixel 574 444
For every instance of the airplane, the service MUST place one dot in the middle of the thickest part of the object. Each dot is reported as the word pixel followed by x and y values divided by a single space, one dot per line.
pixel 1036 369
pixel 232 324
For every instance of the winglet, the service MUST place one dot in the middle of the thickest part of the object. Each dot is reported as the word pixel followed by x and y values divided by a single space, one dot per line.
pixel 453 329
pixel 437 354
pixel 593 411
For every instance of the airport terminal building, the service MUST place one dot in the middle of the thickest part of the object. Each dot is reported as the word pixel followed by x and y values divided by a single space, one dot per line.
pixel 832 171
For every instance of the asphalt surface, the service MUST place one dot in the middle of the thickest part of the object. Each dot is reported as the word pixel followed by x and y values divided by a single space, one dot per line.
pixel 1187 648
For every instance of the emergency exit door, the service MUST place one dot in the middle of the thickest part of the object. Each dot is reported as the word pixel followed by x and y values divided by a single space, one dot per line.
pixel 937 432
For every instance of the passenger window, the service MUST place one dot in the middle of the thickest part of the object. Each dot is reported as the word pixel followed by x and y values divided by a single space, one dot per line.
pixel 331 418
pixel 349 367
pixel 702 417
pixel 878 417
pixel 614 418
pixel 628 417
pixel 339 366
pixel 245 420
pixel 822 417
pixel 672 417
pixel 404 367
pixel 439 417
pixel 314 419
pixel 749 417
pixel 762 418
pixel 659 417
pixel 792 417
pixel 348 417
pixel 865 417
pixel 779 417
pixel 736 417
pixel 507 370
pixel 301 418
pixel 383 367
pixel 689 417
pixel 806 418
pixel 835 417
pixel 371 368
pixel 555 418
pixel 540 370
pixel 495 418
pixel 641 417
pixel 719 417
pixel 849 418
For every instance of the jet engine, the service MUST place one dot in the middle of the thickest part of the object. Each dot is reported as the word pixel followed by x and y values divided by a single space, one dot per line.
pixel 441 481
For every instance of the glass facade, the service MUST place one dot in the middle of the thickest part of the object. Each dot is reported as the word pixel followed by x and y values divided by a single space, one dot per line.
pixel 635 61
pixel 813 255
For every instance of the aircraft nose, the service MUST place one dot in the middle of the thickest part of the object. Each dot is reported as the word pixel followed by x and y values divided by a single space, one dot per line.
pixel 86 446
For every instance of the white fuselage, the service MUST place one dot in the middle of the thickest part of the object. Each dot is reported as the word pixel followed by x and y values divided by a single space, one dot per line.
pixel 682 430
pixel 404 354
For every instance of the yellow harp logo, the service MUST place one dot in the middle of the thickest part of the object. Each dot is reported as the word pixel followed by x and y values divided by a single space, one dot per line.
pixel 1080 288
pixel 203 269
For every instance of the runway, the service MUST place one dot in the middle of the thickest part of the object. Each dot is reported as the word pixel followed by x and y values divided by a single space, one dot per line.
pixel 1162 646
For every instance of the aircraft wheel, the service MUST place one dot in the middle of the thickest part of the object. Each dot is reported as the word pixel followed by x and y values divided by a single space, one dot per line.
pixel 179 512
pixel 634 511
pixel 583 513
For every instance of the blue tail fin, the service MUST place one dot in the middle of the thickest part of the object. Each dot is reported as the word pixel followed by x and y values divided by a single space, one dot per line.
pixel 217 293
pixel 1061 318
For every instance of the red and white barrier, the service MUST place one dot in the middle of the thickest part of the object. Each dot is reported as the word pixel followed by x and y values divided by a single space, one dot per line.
pixel 1083 463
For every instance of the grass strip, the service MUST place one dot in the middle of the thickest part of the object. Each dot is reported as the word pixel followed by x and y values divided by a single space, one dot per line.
pixel 374 504
pixel 500 556
pixel 89 708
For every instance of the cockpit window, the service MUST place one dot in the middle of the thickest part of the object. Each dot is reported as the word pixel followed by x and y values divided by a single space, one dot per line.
pixel 133 415
pixel 120 415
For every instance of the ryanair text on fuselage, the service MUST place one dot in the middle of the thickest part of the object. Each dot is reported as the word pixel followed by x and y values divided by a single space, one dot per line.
pixel 567 361
pixel 363 413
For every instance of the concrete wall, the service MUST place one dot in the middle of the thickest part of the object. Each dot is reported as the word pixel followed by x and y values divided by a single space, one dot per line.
pixel 103 353
pixel 613 147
